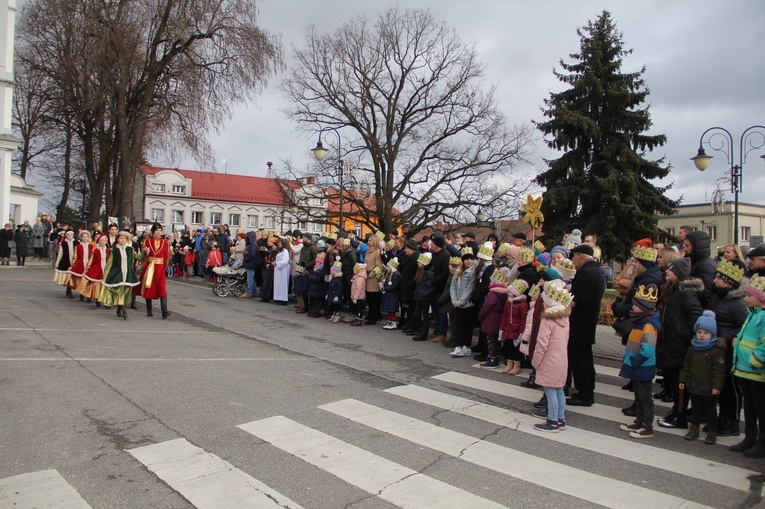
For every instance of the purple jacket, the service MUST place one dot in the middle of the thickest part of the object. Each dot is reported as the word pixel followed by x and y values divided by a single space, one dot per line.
pixel 490 315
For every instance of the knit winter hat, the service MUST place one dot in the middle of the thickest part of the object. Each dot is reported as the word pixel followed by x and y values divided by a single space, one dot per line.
pixel 518 287
pixel 513 251
pixel 646 297
pixel 680 267
pixel 439 241
pixel 730 271
pixel 544 260
pixel 551 274
pixel 566 268
pixel 393 263
pixel 336 268
pixel 756 288
pixel 575 237
pixel 555 294
pixel 559 249
pixel 707 322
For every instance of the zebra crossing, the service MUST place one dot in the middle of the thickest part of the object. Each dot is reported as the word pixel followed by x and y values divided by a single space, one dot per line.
pixel 206 480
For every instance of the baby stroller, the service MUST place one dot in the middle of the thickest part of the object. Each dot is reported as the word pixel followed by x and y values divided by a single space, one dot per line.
pixel 231 279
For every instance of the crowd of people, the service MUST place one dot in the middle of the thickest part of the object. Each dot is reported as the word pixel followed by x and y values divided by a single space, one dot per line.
pixel 697 320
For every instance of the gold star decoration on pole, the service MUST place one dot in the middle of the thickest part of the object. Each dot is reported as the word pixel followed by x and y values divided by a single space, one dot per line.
pixel 533 214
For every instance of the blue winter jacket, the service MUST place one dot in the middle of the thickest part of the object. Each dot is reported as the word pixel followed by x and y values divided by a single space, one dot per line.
pixel 640 353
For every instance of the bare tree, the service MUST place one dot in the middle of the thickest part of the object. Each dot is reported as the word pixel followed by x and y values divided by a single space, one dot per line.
pixel 424 140
pixel 137 73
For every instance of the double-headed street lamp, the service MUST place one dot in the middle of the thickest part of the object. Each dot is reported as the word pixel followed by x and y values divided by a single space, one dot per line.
pixel 721 140
pixel 319 152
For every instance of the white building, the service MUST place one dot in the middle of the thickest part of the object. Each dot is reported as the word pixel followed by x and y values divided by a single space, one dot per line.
pixel 7 142
pixel 23 201
pixel 196 199
pixel 719 223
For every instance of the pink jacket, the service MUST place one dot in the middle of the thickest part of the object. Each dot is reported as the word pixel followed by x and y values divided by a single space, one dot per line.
pixel 551 352
pixel 359 286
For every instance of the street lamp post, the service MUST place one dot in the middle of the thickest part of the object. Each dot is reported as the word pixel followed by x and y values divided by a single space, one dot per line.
pixel 719 139
pixel 319 152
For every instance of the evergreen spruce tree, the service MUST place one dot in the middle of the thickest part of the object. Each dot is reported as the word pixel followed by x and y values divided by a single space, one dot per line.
pixel 601 184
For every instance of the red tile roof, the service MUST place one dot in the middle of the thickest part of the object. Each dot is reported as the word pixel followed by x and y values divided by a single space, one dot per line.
pixel 228 187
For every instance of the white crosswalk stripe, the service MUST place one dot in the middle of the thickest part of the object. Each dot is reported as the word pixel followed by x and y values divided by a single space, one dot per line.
pixel 44 489
pixel 206 480
pixel 568 480
pixel 608 413
pixel 390 481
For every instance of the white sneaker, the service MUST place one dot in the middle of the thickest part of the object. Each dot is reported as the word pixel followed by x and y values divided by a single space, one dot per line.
pixel 389 326
pixel 466 351
pixel 457 352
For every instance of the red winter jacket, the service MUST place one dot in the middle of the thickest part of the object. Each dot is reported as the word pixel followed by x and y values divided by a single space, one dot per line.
pixel 490 314
pixel 514 318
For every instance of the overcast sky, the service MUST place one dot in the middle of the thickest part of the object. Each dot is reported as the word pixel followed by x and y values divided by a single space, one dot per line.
pixel 704 64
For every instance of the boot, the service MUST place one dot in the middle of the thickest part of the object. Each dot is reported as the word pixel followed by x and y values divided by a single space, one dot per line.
pixel 758 451
pixel 82 298
pixel 509 368
pixel 98 304
pixel 516 368
pixel 693 433
pixel 711 438
pixel 630 411
pixel 300 305
pixel 729 428
pixel 132 303
pixel 69 293
pixel 747 443
pixel 149 311
pixel 531 382
pixel 163 306
pixel 358 322
pixel 757 477
pixel 124 313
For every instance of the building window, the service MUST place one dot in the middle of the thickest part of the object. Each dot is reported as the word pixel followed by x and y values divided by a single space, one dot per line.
pixel 671 232
pixel 745 232
pixel 233 219
pixel 159 188
pixel 302 226
pixel 215 218
pixel 252 222
pixel 357 229
pixel 712 232
pixel 179 189
pixel 197 217
pixel 177 216
pixel 270 222
pixel 158 215
pixel 316 227
pixel 315 202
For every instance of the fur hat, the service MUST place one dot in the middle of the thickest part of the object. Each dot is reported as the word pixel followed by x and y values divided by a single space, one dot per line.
pixel 125 234
pixel 155 227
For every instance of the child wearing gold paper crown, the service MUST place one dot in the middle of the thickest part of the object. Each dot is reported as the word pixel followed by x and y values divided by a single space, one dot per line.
pixel 639 363
pixel 551 355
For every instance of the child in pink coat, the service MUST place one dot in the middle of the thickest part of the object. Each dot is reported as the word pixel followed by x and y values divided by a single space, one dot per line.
pixel 551 354
pixel 358 293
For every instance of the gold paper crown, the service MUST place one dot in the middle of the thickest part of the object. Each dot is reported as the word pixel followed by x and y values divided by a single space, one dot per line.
pixel 338 264
pixel 393 263
pixel 378 272
pixel 359 267
pixel 732 272
pixel 520 285
pixel 757 282
pixel 558 296
pixel 596 252
pixel 525 254
pixel 345 242
pixel 332 235
pixel 567 264
pixel 498 277
pixel 300 269
pixel 391 244
pixel 650 294
pixel 570 245
pixel 380 235
pixel 534 291
pixel 648 254
pixel 455 260
pixel 425 258
pixel 486 252
pixel 503 248
pixel 467 251
pixel 539 247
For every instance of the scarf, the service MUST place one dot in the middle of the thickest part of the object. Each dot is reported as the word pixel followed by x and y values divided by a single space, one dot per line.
pixel 637 317
pixel 700 346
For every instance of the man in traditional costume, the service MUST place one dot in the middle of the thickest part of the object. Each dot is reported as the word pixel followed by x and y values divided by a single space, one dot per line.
pixel 156 256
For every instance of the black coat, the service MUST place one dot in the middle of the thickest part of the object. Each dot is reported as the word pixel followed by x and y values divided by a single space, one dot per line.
pixel 408 269
pixel 588 288
pixel 730 311
pixel 251 255
pixel 5 248
pixel 678 318
pixel 349 258
pixel 22 245
pixel 702 266
pixel 440 266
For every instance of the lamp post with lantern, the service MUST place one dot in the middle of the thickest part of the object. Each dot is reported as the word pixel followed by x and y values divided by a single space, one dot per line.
pixel 720 139
pixel 319 152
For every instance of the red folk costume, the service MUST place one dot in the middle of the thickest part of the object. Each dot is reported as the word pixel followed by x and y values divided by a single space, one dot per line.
pixel 153 282
pixel 90 284
pixel 82 255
